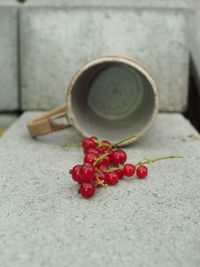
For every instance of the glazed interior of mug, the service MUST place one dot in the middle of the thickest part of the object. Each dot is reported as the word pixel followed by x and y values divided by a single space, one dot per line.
pixel 112 100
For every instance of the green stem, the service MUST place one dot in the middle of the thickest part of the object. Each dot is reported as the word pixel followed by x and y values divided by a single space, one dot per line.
pixel 100 158
pixel 75 145
pixel 123 140
pixel 147 161
pixel 97 170
pixel 115 169
pixel 101 182
pixel 100 143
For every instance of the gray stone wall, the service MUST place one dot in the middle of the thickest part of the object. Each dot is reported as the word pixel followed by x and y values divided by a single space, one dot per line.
pixel 194 38
pixel 8 59
pixel 42 44
pixel 55 43
pixel 119 3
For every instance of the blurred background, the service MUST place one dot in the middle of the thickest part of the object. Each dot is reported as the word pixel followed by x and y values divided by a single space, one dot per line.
pixel 44 42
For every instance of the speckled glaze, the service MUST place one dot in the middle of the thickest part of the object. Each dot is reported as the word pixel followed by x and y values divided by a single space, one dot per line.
pixel 112 97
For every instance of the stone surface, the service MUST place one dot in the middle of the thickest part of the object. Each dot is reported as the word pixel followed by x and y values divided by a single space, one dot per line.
pixel 153 222
pixel 119 3
pixel 7 119
pixel 8 59
pixel 55 43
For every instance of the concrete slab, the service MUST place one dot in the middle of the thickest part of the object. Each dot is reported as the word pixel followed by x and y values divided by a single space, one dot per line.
pixel 152 222
pixel 55 43
pixel 8 59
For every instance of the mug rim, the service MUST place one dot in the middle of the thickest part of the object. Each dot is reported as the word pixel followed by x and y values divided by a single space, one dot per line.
pixel 109 59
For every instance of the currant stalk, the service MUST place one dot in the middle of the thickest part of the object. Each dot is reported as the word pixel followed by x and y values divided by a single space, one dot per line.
pixel 147 161
pixel 102 143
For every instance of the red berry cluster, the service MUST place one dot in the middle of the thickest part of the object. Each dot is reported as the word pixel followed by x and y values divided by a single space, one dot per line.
pixel 103 165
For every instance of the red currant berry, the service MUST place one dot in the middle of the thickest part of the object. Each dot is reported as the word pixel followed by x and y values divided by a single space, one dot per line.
pixel 87 172
pixel 102 176
pixel 100 154
pixel 90 158
pixel 120 173
pixel 106 145
pixel 111 178
pixel 101 149
pixel 92 150
pixel 142 171
pixel 87 190
pixel 106 160
pixel 102 167
pixel 75 172
pixel 118 157
pixel 93 138
pixel 110 151
pixel 87 143
pixel 129 170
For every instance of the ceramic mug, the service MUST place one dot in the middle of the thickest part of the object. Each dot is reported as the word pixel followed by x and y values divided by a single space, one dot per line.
pixel 111 97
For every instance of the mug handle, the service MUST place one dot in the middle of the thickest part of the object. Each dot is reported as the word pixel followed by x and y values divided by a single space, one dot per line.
pixel 46 123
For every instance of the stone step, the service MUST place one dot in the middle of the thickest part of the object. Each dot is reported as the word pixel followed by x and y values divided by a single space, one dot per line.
pixel 153 222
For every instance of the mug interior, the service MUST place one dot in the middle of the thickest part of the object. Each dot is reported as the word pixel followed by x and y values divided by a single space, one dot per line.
pixel 112 100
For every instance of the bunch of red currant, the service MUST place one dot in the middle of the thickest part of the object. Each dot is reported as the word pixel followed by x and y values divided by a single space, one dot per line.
pixel 103 165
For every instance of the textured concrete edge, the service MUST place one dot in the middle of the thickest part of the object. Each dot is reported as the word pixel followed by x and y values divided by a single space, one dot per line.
pixel 26 116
